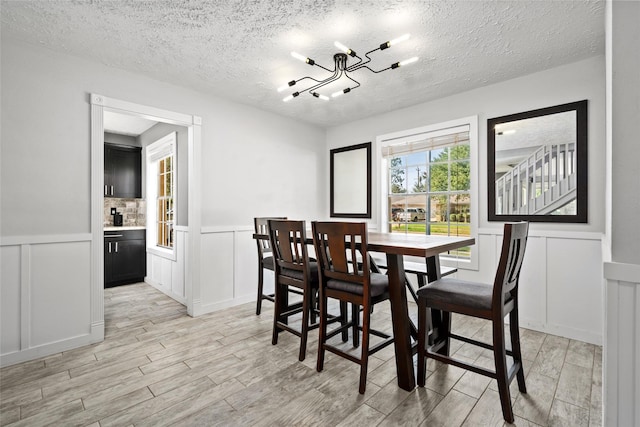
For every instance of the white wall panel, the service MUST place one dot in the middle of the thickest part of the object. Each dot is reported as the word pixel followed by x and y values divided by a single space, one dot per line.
pixel 246 266
pixel 622 346
pixel 45 296
pixel 533 284
pixel 574 290
pixel 167 275
pixel 560 284
pixel 177 268
pixel 10 299
pixel 217 275
pixel 59 291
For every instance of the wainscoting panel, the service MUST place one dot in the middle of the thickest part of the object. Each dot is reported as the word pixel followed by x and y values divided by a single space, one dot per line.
pixel 533 283
pixel 561 282
pixel 60 291
pixel 246 267
pixel 45 295
pixel 217 270
pixel 561 289
pixel 167 275
pixel 10 299
pixel 622 347
pixel 574 292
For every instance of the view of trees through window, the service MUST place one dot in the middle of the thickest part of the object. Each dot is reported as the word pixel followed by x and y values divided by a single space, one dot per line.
pixel 429 192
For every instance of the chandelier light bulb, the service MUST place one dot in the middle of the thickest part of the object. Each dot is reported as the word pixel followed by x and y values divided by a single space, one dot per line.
pixel 408 61
pixel 303 58
pixel 298 56
pixel 344 48
pixel 285 86
pixel 337 94
pixel 399 39
pixel 288 98
pixel 323 97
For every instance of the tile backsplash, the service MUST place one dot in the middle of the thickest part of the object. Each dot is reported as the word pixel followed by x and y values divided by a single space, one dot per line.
pixel 134 211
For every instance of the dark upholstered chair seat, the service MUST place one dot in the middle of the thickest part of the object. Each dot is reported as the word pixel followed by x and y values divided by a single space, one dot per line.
pixel 297 274
pixel 267 262
pixel 379 285
pixel 458 292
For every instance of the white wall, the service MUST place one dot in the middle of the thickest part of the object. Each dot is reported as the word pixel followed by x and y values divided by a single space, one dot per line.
pixel 563 260
pixel 45 186
pixel 622 242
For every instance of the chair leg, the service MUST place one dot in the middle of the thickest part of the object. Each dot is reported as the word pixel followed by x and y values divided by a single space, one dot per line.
pixel 314 305
pixel 304 330
pixel 515 347
pixel 277 309
pixel 344 320
pixel 500 356
pixel 446 327
pixel 364 358
pixel 322 338
pixel 423 331
pixel 260 285
pixel 355 319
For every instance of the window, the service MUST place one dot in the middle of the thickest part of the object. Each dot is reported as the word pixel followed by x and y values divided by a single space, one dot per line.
pixel 161 195
pixel 430 180
pixel 164 200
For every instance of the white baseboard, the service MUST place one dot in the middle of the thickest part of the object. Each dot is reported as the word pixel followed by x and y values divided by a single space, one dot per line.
pixel 96 335
pixel 221 305
pixel 182 300
pixel 563 331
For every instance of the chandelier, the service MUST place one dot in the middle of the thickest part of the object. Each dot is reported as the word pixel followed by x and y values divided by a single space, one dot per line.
pixel 340 69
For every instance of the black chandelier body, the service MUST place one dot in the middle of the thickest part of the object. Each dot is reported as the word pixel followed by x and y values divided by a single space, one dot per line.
pixel 340 69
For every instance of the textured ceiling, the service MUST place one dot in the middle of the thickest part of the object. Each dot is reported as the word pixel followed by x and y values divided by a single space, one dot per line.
pixel 240 49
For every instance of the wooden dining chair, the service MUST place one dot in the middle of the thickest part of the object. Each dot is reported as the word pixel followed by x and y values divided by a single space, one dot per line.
pixel 293 268
pixel 337 244
pixel 491 302
pixel 265 259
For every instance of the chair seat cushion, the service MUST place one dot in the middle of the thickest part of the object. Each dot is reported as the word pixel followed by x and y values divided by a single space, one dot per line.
pixel 267 262
pixel 379 284
pixel 457 292
pixel 297 274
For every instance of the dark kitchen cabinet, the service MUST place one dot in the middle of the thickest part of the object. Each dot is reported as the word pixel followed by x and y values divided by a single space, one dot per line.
pixel 122 171
pixel 125 257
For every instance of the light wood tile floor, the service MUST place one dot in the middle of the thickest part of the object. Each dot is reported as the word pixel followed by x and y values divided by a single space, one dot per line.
pixel 157 366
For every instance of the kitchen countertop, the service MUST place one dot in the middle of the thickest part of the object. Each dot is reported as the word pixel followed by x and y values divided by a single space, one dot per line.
pixel 126 227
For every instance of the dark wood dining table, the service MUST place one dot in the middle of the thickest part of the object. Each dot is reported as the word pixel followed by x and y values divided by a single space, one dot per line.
pixel 395 246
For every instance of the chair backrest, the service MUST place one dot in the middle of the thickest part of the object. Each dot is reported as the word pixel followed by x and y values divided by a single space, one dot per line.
pixel 337 246
pixel 261 226
pixel 288 243
pixel 514 244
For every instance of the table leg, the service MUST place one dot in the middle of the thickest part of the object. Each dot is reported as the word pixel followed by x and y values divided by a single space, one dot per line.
pixel 440 321
pixel 401 322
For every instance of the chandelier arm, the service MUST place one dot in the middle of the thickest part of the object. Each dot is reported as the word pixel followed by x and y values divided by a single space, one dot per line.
pixel 359 65
pixel 355 65
pixel 374 71
pixel 353 80
pixel 310 78
pixel 325 68
pixel 325 82
pixel 321 83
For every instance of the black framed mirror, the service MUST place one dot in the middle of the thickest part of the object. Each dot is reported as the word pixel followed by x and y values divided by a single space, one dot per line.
pixel 537 165
pixel 350 181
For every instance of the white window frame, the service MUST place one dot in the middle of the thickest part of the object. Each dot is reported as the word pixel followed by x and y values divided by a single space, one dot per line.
pixel 420 133
pixel 163 147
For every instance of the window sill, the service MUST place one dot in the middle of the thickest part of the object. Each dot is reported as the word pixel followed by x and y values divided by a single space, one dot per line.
pixel 163 253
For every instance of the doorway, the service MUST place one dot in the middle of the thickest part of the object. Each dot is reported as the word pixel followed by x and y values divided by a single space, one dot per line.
pixel 101 105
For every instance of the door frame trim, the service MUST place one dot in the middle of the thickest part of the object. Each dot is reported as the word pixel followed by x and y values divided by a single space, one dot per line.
pixel 100 104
